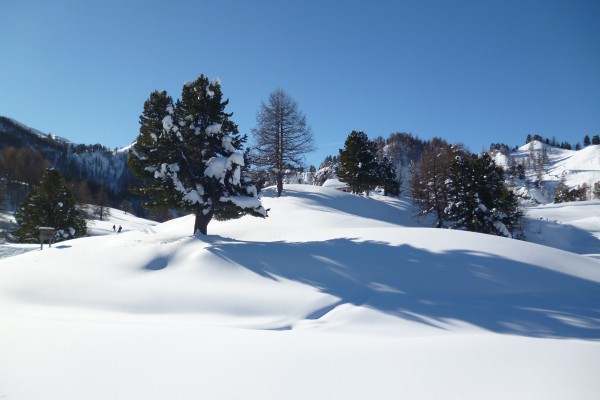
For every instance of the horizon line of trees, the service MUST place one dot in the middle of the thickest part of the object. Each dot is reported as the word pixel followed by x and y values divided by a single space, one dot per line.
pixel 199 164
pixel 594 140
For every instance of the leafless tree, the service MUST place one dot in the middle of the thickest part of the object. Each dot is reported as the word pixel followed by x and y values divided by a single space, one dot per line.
pixel 282 136
pixel 429 188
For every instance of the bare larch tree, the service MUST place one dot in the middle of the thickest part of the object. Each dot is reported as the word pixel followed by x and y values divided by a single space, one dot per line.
pixel 282 136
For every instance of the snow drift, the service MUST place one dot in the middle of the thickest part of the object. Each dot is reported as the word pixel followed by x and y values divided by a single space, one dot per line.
pixel 332 296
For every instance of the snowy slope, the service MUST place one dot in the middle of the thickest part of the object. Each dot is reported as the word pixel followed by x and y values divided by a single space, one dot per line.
pixel 573 226
pixel 332 296
pixel 577 167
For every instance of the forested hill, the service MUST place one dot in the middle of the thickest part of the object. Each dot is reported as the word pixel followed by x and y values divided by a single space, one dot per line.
pixel 539 172
pixel 25 152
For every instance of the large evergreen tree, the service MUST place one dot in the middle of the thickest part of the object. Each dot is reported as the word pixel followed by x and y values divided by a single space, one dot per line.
pixel 478 199
pixel 358 165
pixel 282 135
pixel 51 204
pixel 388 178
pixel 190 156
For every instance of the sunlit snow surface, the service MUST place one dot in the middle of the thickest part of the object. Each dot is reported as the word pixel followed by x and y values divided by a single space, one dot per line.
pixel 332 296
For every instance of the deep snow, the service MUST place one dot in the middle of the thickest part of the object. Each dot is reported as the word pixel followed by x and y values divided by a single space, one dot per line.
pixel 577 167
pixel 332 296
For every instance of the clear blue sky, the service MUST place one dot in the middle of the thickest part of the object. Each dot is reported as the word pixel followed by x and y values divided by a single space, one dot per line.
pixel 474 72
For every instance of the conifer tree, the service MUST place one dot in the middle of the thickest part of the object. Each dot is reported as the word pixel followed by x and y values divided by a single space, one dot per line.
pixel 428 183
pixel 282 135
pixel 478 199
pixel 358 165
pixel 190 156
pixel 51 204
pixel 387 178
pixel 461 195
pixel 586 140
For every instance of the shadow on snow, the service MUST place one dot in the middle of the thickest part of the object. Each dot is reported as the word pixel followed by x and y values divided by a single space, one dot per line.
pixel 360 206
pixel 485 290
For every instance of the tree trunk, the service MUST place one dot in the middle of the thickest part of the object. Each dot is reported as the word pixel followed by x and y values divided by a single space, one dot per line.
pixel 201 222
pixel 279 183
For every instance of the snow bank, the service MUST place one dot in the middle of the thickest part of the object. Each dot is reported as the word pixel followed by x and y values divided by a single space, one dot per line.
pixel 332 296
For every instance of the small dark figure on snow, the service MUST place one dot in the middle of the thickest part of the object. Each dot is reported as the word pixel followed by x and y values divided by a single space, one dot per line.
pixel 114 229
pixel 120 228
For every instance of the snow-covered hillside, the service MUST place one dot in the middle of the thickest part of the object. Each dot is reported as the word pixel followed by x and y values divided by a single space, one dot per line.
pixel 331 296
pixel 573 226
pixel 548 165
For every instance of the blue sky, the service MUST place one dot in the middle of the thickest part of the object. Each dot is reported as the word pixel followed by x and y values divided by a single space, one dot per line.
pixel 474 72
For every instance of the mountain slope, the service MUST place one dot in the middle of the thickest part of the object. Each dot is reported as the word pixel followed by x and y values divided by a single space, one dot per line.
pixel 332 296
pixel 546 165
pixel 75 161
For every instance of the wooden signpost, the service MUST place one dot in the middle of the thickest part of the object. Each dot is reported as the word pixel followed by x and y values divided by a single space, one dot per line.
pixel 46 233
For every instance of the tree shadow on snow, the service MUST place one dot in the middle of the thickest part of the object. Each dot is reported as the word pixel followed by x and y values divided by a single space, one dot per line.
pixel 485 290
pixel 360 206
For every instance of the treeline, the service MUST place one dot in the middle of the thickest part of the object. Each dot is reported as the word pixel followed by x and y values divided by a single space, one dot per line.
pixel 447 183
pixel 96 174
pixel 461 190
pixel 594 140
pixel 21 170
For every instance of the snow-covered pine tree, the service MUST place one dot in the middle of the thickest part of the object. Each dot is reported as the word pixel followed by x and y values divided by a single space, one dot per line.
pixel 51 204
pixel 462 195
pixel 190 157
pixel 478 199
pixel 388 178
pixel 358 163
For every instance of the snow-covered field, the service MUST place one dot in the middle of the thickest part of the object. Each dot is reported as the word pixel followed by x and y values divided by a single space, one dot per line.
pixel 332 296
pixel 573 226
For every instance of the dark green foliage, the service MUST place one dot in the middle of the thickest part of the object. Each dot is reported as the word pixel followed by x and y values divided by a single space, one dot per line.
pixel 189 155
pixel 363 166
pixel 596 139
pixel 51 204
pixel 358 165
pixel 387 178
pixel 517 170
pixel 478 199
pixel 586 140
